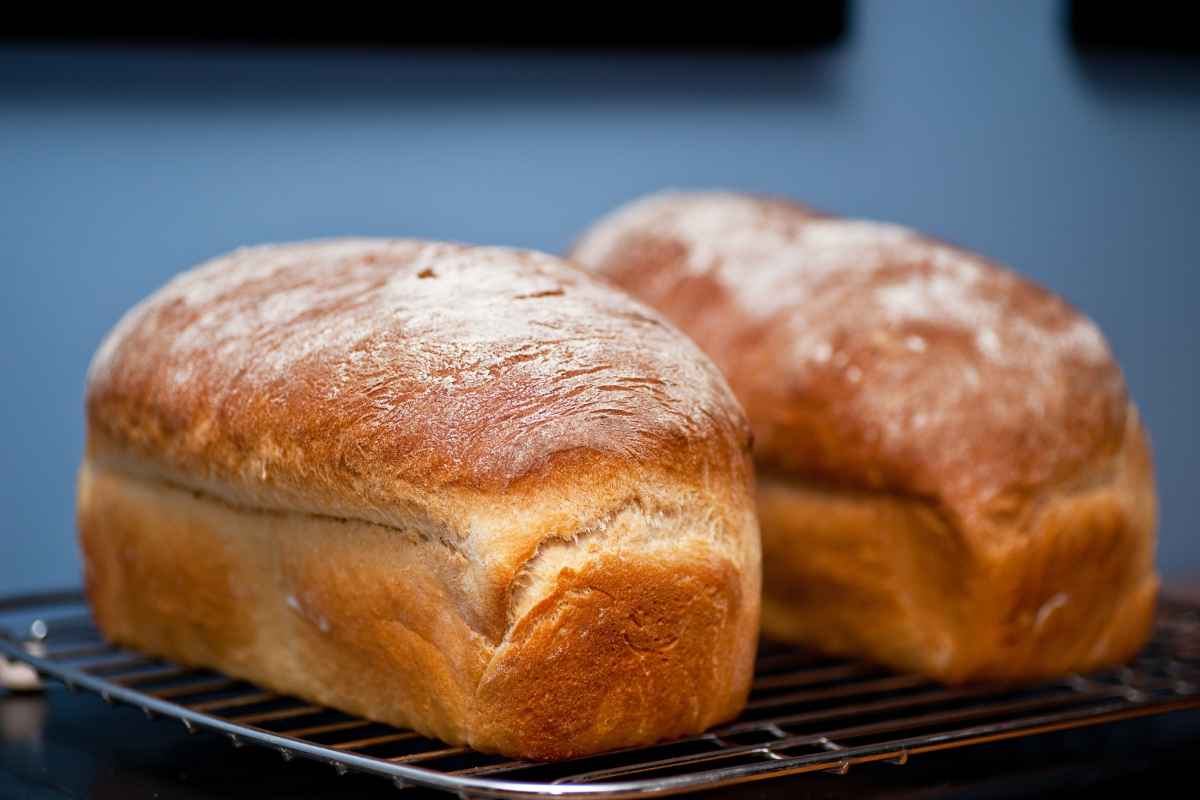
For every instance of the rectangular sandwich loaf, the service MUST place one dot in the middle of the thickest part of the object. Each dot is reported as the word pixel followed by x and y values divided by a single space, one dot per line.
pixel 471 491
pixel 952 478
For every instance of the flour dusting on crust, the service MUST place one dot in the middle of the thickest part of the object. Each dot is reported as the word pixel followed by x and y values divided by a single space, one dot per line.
pixel 435 362
pixel 866 352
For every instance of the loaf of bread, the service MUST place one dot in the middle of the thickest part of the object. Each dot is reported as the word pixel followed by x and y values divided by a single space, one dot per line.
pixel 470 491
pixel 952 479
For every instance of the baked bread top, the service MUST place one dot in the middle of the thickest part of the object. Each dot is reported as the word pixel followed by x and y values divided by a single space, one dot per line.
pixel 338 376
pixel 870 356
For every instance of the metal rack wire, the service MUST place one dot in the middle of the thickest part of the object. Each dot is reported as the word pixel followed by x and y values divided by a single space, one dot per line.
pixel 804 714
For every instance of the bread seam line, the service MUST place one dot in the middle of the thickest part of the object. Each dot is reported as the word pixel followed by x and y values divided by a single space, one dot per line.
pixel 597 527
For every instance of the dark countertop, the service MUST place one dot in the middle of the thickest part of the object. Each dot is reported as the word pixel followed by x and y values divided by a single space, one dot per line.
pixel 62 745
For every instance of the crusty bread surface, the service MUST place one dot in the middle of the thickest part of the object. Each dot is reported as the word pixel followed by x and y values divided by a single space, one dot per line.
pixel 952 477
pixel 470 491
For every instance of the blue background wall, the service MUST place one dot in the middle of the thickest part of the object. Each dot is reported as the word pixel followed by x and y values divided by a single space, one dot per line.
pixel 976 122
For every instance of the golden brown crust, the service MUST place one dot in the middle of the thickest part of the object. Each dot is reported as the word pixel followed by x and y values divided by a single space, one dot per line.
pixel 662 642
pixel 949 451
pixel 333 370
pixel 869 356
pixel 354 470
pixel 632 644
pixel 854 572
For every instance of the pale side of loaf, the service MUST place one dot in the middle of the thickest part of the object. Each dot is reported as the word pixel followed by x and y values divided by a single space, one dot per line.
pixel 470 491
pixel 952 477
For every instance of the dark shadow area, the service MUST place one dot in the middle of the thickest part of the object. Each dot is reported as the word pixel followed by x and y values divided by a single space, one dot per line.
pixel 1147 54
pixel 1151 26
pixel 824 23
pixel 63 745
pixel 166 78
pixel 1139 77
pixel 650 59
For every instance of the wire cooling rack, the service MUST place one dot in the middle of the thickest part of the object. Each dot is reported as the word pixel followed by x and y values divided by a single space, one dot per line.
pixel 804 714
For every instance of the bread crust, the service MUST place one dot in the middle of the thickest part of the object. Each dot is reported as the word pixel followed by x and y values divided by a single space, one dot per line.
pixel 327 373
pixel 507 537
pixel 856 573
pixel 924 419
